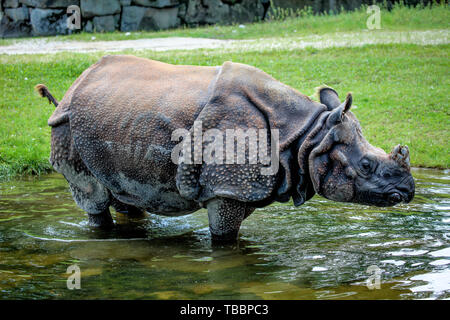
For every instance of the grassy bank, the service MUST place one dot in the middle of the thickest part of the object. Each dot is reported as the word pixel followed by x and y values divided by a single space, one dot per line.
pixel 400 18
pixel 401 93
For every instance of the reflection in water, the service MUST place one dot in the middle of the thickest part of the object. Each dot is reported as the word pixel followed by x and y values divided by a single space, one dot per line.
pixel 320 250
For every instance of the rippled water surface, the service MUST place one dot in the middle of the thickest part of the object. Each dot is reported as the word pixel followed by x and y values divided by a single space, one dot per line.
pixel 320 250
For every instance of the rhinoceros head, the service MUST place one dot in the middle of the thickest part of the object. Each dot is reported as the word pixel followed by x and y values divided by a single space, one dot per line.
pixel 345 167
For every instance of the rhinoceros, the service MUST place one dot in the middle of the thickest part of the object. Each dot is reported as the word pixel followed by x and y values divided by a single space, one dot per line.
pixel 113 140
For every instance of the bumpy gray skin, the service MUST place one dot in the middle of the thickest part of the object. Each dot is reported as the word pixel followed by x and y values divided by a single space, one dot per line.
pixel 111 139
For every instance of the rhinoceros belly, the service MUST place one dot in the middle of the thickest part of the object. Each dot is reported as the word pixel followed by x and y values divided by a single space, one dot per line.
pixel 156 197
pixel 141 174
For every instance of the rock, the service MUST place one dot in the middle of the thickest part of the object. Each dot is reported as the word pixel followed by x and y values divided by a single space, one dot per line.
pixel 182 10
pixel 17 15
pixel 10 3
pixel 131 18
pixel 207 12
pixel 141 18
pixel 13 29
pixel 246 12
pixel 105 23
pixel 182 13
pixel 194 12
pixel 221 12
pixel 91 8
pixel 217 12
pixel 45 22
pixel 117 21
pixel 89 27
pixel 156 3
pixel 157 19
pixel 125 2
pixel 50 3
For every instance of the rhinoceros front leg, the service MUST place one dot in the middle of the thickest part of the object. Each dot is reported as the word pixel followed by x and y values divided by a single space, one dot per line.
pixel 225 218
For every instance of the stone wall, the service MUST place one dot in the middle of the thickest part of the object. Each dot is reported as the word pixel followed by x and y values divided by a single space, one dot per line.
pixel 49 17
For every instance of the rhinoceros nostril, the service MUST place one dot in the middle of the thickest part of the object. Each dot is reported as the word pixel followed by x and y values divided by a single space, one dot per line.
pixel 395 197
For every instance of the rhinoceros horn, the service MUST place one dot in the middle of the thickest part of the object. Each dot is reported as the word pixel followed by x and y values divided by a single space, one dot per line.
pixel 400 154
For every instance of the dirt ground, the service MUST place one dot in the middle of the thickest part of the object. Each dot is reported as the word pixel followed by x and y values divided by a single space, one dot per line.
pixel 354 39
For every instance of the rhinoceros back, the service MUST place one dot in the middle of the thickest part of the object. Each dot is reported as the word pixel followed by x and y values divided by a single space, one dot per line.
pixel 122 115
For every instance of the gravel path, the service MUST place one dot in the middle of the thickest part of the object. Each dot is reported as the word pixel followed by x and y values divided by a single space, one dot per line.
pixel 354 39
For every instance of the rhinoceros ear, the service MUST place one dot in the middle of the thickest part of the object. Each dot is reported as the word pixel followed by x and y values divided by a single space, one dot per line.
pixel 348 102
pixel 329 97
pixel 337 114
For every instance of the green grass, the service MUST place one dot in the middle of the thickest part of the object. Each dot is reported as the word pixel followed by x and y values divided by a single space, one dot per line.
pixel 400 18
pixel 401 93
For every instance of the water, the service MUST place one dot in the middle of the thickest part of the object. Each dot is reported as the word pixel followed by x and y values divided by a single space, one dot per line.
pixel 320 250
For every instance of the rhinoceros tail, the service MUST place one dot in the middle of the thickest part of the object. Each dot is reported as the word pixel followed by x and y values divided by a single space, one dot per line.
pixel 44 93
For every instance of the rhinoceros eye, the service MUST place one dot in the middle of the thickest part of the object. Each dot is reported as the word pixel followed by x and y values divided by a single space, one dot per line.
pixel 366 165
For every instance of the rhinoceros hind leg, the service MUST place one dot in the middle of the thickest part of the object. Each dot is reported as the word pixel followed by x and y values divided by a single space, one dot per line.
pixel 225 218
pixel 92 197
pixel 127 209
pixel 88 193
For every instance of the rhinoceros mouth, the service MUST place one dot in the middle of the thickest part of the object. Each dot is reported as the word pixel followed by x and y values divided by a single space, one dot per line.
pixel 402 192
pixel 391 194
pixel 385 199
